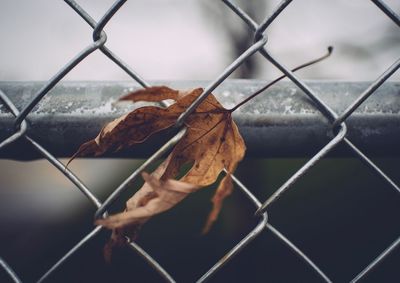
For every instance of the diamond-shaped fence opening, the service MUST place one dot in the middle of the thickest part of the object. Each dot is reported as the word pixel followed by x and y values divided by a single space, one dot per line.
pixel 322 123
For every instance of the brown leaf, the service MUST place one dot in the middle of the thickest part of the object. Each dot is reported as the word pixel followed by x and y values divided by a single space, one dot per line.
pixel 154 197
pixel 136 126
pixel 224 189
pixel 154 94
pixel 211 144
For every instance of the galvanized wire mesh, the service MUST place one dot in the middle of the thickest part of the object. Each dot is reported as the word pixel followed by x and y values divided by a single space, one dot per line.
pixel 338 122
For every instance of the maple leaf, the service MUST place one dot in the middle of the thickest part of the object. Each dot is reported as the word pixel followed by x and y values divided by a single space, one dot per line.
pixel 136 126
pixel 155 196
pixel 211 144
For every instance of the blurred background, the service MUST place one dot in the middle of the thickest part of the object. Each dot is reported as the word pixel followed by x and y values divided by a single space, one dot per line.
pixel 340 214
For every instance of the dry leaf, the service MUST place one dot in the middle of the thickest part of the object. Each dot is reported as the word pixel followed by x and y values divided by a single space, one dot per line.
pixel 136 126
pixel 155 196
pixel 224 189
pixel 211 144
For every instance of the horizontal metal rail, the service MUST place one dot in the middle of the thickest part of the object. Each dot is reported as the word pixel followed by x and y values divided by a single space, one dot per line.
pixel 280 122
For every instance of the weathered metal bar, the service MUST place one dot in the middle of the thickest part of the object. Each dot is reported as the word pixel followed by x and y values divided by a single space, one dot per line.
pixel 280 122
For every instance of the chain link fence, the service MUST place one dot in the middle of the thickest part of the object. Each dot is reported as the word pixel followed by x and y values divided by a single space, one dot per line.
pixel 260 45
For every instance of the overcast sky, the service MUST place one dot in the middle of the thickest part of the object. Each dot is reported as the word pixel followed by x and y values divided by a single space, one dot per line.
pixel 177 40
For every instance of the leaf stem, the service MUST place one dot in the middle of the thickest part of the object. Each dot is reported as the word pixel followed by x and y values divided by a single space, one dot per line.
pixel 330 49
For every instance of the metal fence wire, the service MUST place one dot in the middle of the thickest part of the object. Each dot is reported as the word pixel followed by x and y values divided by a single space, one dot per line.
pixel 337 120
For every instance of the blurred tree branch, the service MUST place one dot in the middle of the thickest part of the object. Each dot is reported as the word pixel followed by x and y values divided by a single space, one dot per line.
pixel 239 35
